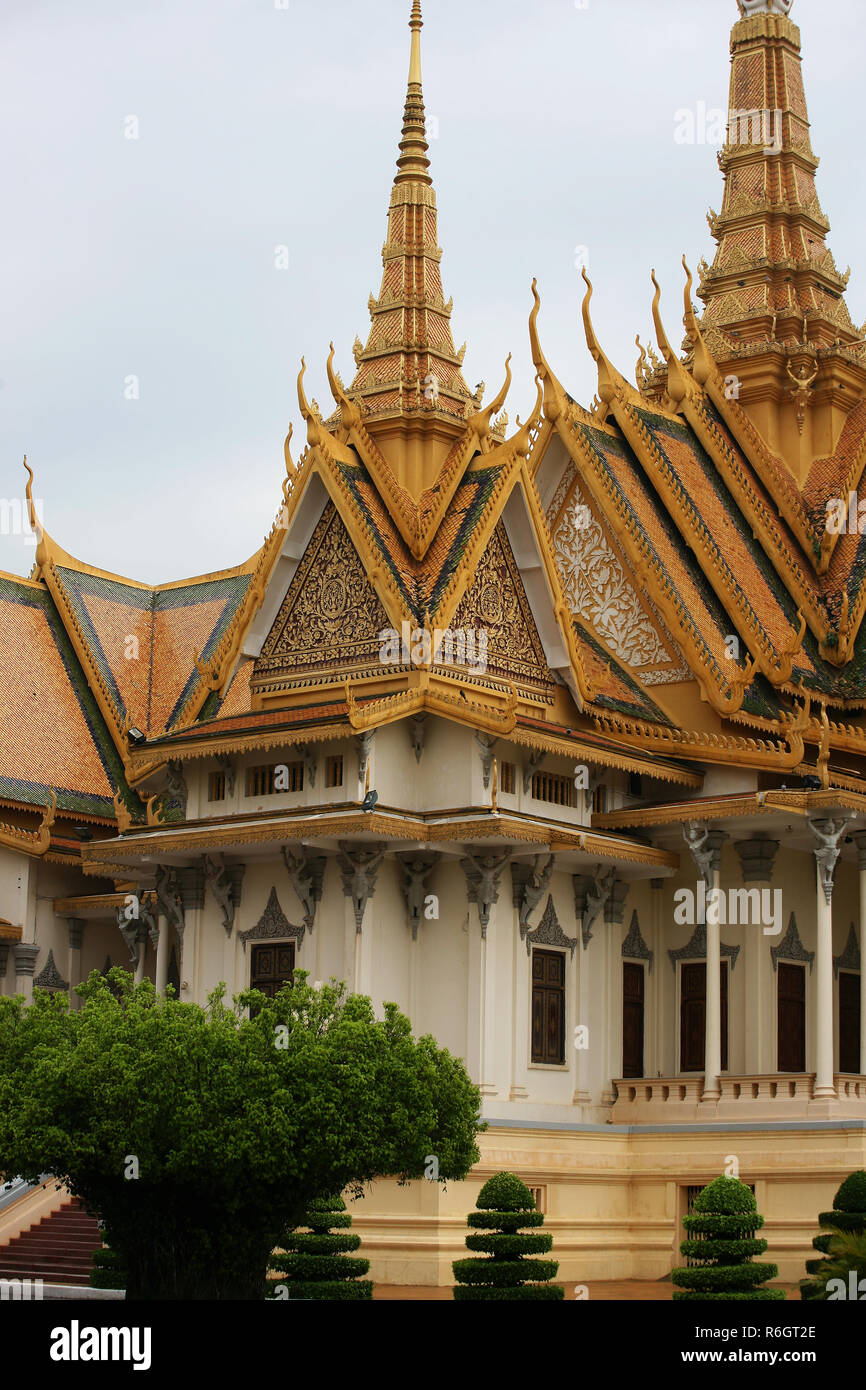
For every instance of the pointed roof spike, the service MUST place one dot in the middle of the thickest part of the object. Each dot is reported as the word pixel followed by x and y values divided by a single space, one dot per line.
pixel 554 395
pixel 661 337
pixel 608 377
pixel 35 524
pixel 413 162
pixel 703 365
pixel 677 376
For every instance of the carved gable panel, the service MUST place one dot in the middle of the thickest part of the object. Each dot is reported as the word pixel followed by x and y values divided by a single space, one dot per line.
pixel 331 618
pixel 497 604
pixel 599 591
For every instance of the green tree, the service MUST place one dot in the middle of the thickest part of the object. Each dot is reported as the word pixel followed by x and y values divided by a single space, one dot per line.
pixel 505 1207
pixel 200 1134
pixel 846 1256
pixel 722 1236
pixel 315 1263
pixel 848 1217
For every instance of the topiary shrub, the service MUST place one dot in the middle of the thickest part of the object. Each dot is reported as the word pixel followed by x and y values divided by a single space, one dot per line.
pixel 107 1270
pixel 848 1217
pixel 505 1205
pixel 722 1236
pixel 314 1263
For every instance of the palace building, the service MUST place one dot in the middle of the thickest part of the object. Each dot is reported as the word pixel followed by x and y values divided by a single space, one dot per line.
pixel 551 733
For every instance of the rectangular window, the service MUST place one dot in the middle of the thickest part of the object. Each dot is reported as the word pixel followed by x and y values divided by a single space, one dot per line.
pixel 334 771
pixel 635 784
pixel 260 781
pixel 289 777
pixel 539 1196
pixel 216 786
pixel 553 786
pixel 275 778
pixel 548 1008
pixel 506 781
pixel 599 800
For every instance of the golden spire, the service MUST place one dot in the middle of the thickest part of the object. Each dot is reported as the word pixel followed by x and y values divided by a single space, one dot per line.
pixel 409 373
pixel 413 162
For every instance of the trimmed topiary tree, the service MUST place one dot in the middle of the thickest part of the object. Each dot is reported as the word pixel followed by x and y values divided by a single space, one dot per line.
pixel 722 1236
pixel 314 1263
pixel 848 1217
pixel 505 1205
pixel 107 1271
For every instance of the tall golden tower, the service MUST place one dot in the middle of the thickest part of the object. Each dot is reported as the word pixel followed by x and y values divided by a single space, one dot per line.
pixel 776 320
pixel 408 386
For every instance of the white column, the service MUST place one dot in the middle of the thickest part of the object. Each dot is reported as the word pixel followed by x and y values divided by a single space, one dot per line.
pixel 706 849
pixel 860 841
pixel 654 1061
pixel 756 863
pixel 828 837
pixel 162 953
pixel 75 932
pixel 24 954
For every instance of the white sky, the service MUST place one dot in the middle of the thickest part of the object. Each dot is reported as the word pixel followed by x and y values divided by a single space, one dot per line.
pixel 260 127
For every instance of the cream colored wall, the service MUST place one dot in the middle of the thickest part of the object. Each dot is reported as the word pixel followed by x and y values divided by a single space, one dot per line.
pixel 614 1200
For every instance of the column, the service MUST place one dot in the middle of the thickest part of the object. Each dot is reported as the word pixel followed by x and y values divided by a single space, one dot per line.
pixel 706 850
pixel 24 954
pixel 654 1062
pixel 190 882
pixel 614 915
pixel 141 942
pixel 828 843
pixel 483 870
pixel 860 841
pixel 75 933
pixel 756 858
pixel 162 953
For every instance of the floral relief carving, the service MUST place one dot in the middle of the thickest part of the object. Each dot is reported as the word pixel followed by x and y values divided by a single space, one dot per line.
pixel 597 589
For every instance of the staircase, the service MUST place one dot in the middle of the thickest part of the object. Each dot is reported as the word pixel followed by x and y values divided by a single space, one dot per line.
pixel 58 1249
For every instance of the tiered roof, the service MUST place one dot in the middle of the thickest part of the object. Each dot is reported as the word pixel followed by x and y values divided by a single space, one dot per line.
pixel 658 568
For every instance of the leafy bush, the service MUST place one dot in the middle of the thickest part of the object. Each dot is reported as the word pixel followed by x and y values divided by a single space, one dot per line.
pixel 314 1263
pixel 848 1217
pixel 107 1271
pixel 724 1219
pixel 237 1122
pixel 505 1205
pixel 847 1255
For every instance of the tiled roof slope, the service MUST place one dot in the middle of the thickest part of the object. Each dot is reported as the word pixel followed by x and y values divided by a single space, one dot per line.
pixel 144 641
pixel 683 506
pixel 52 736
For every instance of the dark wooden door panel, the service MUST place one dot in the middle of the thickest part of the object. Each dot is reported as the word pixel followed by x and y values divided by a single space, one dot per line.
pixel 632 1019
pixel 791 1017
pixel 849 1022
pixel 693 1015
pixel 548 1008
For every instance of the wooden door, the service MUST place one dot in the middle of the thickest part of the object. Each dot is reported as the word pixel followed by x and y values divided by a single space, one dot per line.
pixel 548 1008
pixel 849 1022
pixel 693 1014
pixel 632 1018
pixel 791 1014
pixel 271 967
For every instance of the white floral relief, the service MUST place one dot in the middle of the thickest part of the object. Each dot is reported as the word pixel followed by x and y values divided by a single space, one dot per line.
pixel 598 591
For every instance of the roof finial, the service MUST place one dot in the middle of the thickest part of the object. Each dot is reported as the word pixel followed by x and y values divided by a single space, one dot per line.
pixel 413 162
pixel 416 24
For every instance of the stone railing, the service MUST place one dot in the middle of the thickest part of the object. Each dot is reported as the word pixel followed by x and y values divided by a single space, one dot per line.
pixel 748 1099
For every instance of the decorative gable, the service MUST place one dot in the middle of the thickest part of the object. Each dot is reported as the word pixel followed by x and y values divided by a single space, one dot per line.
pixel 331 620
pixel 496 604
pixel 599 592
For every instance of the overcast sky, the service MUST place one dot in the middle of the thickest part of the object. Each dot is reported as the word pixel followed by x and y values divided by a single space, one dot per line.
pixel 264 124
